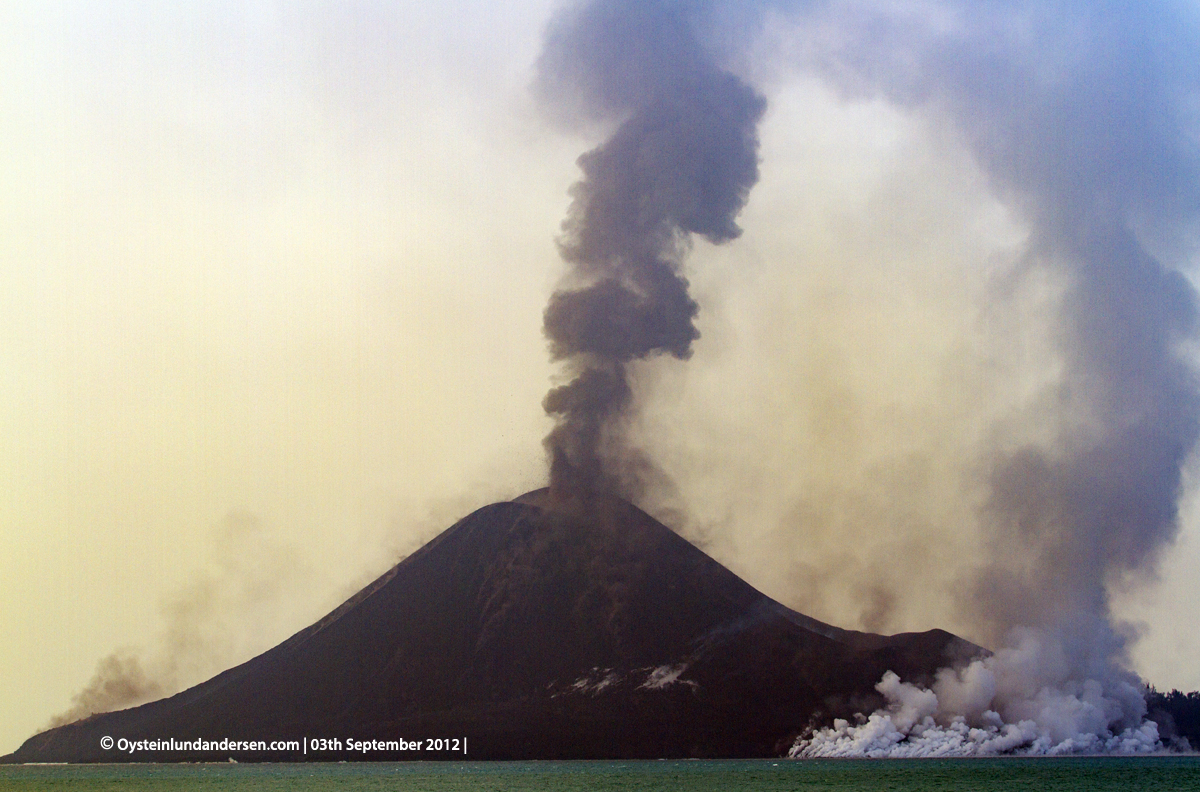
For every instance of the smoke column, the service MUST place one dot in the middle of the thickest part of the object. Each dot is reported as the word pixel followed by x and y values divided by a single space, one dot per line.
pixel 1085 118
pixel 681 161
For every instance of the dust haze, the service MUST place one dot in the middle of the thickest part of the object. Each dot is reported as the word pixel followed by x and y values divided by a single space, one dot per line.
pixel 943 378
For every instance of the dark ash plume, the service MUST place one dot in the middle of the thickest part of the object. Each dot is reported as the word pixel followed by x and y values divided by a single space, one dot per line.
pixel 681 161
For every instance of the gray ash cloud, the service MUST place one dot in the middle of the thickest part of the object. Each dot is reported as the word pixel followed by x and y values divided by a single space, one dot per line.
pixel 1084 118
pixel 681 161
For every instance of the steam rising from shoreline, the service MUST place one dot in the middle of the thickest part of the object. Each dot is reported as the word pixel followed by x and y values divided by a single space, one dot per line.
pixel 1023 700
pixel 1083 119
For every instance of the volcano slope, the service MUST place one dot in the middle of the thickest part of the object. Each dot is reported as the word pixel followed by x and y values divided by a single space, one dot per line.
pixel 534 630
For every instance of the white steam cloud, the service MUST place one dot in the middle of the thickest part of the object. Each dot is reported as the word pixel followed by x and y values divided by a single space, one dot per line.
pixel 1082 116
pixel 1022 700
pixel 1083 119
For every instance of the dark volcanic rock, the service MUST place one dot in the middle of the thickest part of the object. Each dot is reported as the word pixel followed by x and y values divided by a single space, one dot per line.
pixel 583 630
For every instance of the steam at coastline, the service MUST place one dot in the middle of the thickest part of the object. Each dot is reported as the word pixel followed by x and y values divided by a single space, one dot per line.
pixel 1082 116
pixel 1081 119
pixel 1025 700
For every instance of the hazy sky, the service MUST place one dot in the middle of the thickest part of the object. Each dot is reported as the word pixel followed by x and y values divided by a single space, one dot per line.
pixel 271 289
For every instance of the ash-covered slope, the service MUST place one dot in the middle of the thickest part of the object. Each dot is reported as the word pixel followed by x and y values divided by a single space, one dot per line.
pixel 535 631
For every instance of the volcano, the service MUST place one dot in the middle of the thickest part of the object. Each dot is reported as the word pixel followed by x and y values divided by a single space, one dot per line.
pixel 533 629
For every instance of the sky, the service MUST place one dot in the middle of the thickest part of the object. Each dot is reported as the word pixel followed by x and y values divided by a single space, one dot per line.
pixel 272 278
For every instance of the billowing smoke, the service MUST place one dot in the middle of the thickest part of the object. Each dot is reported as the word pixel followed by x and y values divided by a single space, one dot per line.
pixel 1084 117
pixel 119 681
pixel 681 161
pixel 242 604
pixel 1026 699
pixel 1085 120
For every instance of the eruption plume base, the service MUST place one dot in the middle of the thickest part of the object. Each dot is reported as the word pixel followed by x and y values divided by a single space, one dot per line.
pixel 1021 701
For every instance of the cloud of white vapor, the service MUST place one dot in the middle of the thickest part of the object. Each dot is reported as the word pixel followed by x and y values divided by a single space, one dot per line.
pixel 1080 119
pixel 1023 700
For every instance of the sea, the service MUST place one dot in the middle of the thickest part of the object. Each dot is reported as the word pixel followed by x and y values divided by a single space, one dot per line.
pixel 1176 773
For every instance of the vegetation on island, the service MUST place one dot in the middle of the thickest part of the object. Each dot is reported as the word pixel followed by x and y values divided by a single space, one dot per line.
pixel 1177 715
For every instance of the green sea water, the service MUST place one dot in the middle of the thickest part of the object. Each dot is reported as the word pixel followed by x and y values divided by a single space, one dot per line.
pixel 1174 773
